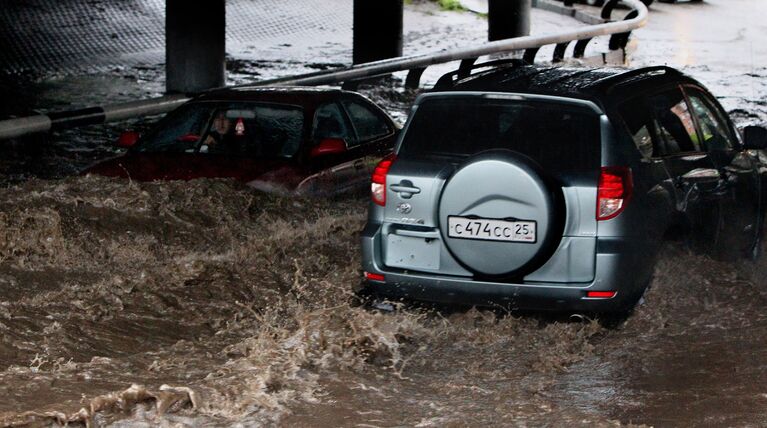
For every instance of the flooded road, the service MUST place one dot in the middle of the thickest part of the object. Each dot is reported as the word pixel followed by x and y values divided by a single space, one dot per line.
pixel 208 304
pixel 224 306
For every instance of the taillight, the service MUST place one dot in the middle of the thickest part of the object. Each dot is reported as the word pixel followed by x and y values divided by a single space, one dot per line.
pixel 601 294
pixel 614 191
pixel 378 184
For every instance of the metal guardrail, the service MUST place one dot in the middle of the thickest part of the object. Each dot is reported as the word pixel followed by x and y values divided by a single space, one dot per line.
pixel 18 127
pixel 618 30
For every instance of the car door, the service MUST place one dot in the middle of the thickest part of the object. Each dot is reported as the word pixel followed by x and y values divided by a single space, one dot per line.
pixel 333 173
pixel 375 135
pixel 168 150
pixel 248 140
pixel 653 186
pixel 694 175
pixel 741 187
pixel 375 131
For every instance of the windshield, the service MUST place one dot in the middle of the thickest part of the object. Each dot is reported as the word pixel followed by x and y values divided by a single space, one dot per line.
pixel 244 129
pixel 558 136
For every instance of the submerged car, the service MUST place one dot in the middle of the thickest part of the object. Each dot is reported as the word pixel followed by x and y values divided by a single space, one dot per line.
pixel 553 188
pixel 315 141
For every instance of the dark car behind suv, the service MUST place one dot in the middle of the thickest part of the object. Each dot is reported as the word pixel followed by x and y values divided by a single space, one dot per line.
pixel 553 188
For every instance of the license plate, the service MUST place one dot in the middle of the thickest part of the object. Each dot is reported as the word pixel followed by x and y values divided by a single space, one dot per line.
pixel 491 230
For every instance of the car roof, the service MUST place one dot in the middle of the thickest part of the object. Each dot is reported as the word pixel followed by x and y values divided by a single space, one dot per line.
pixel 295 95
pixel 593 84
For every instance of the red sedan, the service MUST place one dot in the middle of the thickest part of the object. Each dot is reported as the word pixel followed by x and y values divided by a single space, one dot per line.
pixel 304 140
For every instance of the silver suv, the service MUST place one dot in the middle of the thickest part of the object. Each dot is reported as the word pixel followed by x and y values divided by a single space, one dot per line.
pixel 553 188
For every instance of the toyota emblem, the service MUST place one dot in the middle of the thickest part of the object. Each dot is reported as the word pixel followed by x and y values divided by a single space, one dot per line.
pixel 404 208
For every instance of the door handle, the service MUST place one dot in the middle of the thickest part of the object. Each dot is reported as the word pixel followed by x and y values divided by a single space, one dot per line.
pixel 358 164
pixel 708 181
pixel 701 176
pixel 405 189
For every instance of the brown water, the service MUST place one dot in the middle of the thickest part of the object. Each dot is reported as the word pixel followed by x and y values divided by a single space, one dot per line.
pixel 206 304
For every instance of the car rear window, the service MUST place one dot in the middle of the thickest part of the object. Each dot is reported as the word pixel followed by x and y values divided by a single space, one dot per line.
pixel 559 137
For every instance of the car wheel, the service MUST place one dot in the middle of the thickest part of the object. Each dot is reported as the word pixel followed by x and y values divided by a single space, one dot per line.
pixel 616 318
pixel 496 193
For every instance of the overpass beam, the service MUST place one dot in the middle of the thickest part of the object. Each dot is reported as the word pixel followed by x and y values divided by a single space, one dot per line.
pixel 377 30
pixel 195 48
pixel 508 18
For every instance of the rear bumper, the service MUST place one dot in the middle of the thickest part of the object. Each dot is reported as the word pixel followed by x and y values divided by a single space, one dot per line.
pixel 620 267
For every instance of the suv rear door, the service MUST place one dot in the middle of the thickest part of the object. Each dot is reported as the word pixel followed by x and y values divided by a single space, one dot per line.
pixel 694 174
pixel 445 130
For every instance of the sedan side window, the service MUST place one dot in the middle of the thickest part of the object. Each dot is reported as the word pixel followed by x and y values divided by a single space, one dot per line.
pixel 676 128
pixel 367 124
pixel 713 127
pixel 329 122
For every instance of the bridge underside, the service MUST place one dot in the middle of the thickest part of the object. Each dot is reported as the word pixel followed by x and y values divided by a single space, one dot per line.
pixel 43 37
pixel 53 37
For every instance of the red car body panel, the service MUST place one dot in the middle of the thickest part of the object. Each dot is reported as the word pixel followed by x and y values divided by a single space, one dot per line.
pixel 354 165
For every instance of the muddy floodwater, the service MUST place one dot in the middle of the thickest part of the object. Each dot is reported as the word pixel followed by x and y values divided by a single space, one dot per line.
pixel 208 304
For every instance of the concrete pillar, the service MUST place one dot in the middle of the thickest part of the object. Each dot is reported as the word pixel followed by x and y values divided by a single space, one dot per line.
pixel 377 30
pixel 195 45
pixel 508 18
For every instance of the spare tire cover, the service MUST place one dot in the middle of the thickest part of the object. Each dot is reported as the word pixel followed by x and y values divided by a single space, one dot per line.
pixel 499 185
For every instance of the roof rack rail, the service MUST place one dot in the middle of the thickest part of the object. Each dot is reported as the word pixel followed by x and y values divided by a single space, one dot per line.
pixel 446 81
pixel 615 80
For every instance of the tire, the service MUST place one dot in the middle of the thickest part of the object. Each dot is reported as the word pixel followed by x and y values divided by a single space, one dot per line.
pixel 616 318
pixel 361 295
pixel 507 186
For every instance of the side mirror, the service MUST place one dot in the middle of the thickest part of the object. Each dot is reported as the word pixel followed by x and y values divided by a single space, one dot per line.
pixel 329 146
pixel 755 138
pixel 128 139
